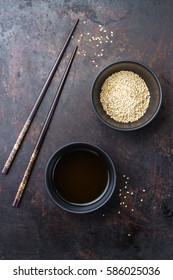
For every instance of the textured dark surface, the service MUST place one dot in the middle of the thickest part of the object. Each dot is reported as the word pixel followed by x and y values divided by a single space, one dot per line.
pixel 31 34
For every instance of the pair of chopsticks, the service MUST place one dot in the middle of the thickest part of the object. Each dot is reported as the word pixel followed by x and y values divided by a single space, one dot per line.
pixel 46 123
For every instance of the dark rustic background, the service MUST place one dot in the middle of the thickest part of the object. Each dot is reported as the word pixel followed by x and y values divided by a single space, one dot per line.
pixel 137 226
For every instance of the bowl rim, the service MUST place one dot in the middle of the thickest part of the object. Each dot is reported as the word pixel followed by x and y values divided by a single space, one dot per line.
pixel 156 79
pixel 81 209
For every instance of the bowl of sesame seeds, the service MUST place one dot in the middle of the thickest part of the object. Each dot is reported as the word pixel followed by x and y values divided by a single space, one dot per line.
pixel 126 95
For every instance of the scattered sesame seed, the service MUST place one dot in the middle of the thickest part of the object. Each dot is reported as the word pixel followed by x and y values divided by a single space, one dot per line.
pixel 81 35
pixel 119 212
pixel 120 203
pixel 78 40
pixel 88 33
pixel 125 206
pixel 123 202
pixel 131 193
pixel 104 30
pixel 101 54
pixel 93 60
pixel 129 234
pixel 120 190
pixel 124 175
pixel 125 187
pixel 111 35
pixel 124 196
pixel 143 190
pixel 127 191
pixel 120 194
pixel 96 65
pixel 97 45
pixel 89 40
pixel 84 54
pixel 106 41
pixel 84 22
pixel 127 178
pixel 132 209
pixel 103 215
pixel 125 182
pixel 111 42
pixel 141 199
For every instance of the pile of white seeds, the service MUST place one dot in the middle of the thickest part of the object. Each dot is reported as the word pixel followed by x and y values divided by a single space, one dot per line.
pixel 125 96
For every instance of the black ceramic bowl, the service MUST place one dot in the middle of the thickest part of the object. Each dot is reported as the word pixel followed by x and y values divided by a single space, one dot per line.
pixel 150 79
pixel 82 207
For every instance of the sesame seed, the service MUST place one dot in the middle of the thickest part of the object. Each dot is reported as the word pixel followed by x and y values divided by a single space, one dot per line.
pixel 132 209
pixel 124 196
pixel 96 65
pixel 124 175
pixel 119 212
pixel 125 206
pixel 84 22
pixel 131 193
pixel 127 191
pixel 129 234
pixel 111 42
pixel 88 33
pixel 141 199
pixel 125 187
pixel 127 178
pixel 143 190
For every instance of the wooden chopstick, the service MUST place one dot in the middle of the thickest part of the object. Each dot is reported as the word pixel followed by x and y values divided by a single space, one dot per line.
pixel 42 134
pixel 36 105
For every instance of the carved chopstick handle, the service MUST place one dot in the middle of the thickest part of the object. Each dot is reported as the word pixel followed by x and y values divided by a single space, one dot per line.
pixel 16 147
pixel 25 178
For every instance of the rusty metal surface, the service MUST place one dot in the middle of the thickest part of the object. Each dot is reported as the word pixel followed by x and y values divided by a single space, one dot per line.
pixel 139 223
